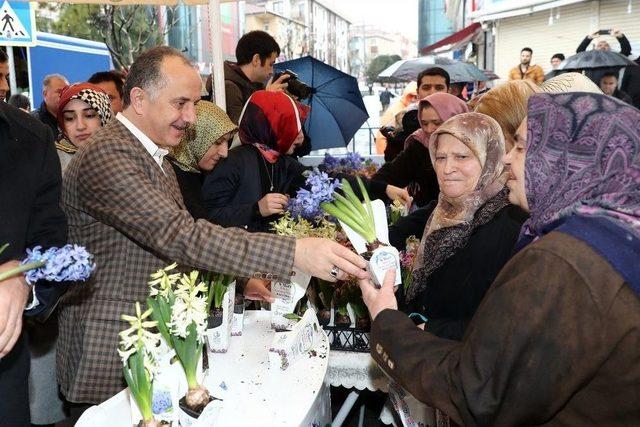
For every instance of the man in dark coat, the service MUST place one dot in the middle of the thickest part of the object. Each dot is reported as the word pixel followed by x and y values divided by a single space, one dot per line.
pixel 609 86
pixel 256 53
pixel 631 83
pixel 603 45
pixel 52 86
pixel 30 185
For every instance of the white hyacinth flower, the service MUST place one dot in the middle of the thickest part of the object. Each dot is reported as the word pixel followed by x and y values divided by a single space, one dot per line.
pixel 163 281
pixel 138 338
pixel 190 306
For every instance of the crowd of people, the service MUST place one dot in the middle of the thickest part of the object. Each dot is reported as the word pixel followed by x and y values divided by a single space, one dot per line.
pixel 524 306
pixel 621 83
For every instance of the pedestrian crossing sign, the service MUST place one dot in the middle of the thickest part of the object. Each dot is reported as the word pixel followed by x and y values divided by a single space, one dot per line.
pixel 17 23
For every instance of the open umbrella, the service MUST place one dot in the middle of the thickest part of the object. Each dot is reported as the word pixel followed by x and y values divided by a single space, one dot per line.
pixel 408 69
pixel 337 109
pixel 594 59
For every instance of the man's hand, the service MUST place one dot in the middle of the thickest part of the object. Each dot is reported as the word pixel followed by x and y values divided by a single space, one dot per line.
pixel 317 257
pixel 594 35
pixel 279 85
pixel 397 193
pixel 379 299
pixel 616 33
pixel 258 290
pixel 14 293
pixel 272 203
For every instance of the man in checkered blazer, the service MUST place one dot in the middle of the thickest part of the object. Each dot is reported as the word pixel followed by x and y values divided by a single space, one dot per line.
pixel 123 203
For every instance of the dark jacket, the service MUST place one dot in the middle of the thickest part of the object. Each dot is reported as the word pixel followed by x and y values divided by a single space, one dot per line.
pixel 238 88
pixel 30 215
pixel 631 83
pixel 554 343
pixel 596 75
pixel 410 225
pixel 191 188
pixel 411 168
pixel 622 96
pixel 232 190
pixel 385 97
pixel 48 119
pixel 454 290
pixel 396 142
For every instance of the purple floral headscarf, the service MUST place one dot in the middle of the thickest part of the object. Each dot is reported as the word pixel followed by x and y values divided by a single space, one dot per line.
pixel 583 157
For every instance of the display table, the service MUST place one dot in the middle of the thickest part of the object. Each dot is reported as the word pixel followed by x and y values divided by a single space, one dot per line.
pixel 257 394
pixel 356 371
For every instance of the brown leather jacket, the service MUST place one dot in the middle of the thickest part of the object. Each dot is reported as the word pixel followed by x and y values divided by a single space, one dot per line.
pixel 555 342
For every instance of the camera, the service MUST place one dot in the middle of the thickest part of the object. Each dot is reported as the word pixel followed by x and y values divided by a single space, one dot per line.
pixel 295 86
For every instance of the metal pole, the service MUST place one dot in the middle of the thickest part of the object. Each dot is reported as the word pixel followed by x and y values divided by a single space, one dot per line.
pixel 12 71
pixel 216 52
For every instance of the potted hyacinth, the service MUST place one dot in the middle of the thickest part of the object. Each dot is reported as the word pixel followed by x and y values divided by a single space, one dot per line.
pixel 139 350
pixel 360 219
pixel 68 263
pixel 220 306
pixel 349 210
pixel 179 304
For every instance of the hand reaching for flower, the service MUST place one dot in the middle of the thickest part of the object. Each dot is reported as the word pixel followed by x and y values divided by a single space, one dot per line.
pixel 258 290
pixel 397 193
pixel 272 203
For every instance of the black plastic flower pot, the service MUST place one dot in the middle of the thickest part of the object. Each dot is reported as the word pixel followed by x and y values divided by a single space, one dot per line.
pixel 215 318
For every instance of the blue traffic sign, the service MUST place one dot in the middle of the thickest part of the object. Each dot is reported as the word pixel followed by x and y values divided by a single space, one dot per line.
pixel 17 23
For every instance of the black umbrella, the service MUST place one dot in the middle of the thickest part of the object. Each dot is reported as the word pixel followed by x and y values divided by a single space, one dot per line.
pixel 408 69
pixel 594 59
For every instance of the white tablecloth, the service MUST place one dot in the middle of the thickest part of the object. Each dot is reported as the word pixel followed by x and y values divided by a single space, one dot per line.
pixel 355 370
pixel 257 394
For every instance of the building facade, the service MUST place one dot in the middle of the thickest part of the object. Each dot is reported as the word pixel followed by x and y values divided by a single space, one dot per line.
pixel 368 41
pixel 550 27
pixel 303 27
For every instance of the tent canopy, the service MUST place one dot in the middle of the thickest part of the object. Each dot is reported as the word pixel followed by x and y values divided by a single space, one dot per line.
pixel 130 2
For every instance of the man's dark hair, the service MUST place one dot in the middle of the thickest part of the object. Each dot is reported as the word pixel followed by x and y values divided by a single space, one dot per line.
pixel 435 71
pixel 108 76
pixel 18 100
pixel 609 74
pixel 146 73
pixel 526 49
pixel 256 42
pixel 558 56
pixel 3 56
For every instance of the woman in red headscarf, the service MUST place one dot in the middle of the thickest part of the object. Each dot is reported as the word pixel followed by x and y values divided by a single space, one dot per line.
pixel 253 184
pixel 84 108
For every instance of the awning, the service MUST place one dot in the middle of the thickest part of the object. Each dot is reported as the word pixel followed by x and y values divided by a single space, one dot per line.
pixel 455 41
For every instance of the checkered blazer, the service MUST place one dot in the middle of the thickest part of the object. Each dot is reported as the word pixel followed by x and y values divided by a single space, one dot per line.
pixel 132 218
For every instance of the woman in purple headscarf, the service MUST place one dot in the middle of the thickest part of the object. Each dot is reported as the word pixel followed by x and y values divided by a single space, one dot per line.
pixel 556 341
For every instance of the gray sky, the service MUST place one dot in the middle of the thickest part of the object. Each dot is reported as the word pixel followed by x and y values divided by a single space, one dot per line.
pixel 391 15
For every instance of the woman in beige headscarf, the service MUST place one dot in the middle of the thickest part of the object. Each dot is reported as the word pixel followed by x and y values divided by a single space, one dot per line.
pixel 203 146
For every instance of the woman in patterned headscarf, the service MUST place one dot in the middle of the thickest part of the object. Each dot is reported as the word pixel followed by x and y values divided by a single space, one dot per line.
pixel 201 149
pixel 471 228
pixel 84 108
pixel 555 340
pixel 253 184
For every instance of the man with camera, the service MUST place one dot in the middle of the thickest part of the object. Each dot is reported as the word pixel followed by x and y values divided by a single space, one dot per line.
pixel 256 53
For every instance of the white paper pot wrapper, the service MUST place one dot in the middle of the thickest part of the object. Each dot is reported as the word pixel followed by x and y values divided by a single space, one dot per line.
pixel 384 257
pixel 287 296
pixel 289 347
pixel 218 338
